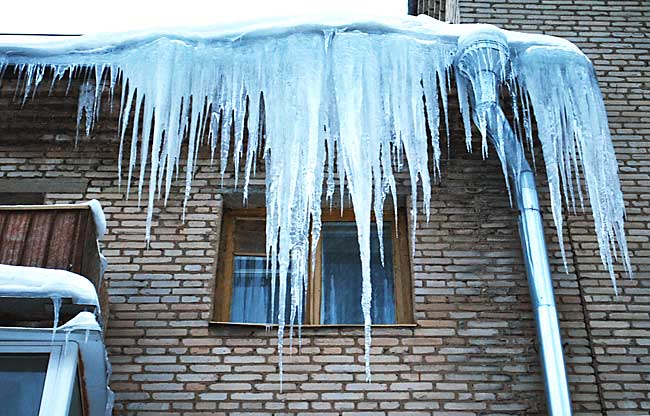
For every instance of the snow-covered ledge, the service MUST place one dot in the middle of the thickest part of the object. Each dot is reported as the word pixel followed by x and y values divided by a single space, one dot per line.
pixel 35 282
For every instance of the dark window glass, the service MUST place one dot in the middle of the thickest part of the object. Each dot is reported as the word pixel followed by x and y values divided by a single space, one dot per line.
pixel 22 378
pixel 76 408
pixel 342 281
pixel 22 198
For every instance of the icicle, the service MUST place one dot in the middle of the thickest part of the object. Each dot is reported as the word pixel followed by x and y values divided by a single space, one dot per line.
pixel 3 69
pixel 348 100
pixel 56 304
pixel 113 74
pixel 465 111
pixel 572 124
pixel 86 107
pixel 125 112
pixel 33 77
pixel 66 339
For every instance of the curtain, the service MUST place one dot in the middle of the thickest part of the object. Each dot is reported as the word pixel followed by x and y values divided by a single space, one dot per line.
pixel 251 293
pixel 341 278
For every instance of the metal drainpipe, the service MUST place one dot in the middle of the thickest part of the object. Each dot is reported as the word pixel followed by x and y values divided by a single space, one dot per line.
pixel 482 62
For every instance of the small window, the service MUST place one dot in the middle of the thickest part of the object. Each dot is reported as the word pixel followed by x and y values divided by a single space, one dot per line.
pixel 22 377
pixel 341 275
pixel 36 376
pixel 22 198
pixel 243 286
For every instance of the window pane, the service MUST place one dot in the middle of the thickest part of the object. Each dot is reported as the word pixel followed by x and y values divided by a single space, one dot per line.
pixel 251 292
pixel 23 198
pixel 75 401
pixel 22 378
pixel 341 284
pixel 250 236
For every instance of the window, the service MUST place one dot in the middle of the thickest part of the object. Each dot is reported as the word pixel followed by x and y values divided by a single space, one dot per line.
pixel 243 281
pixel 22 377
pixel 24 198
pixel 37 378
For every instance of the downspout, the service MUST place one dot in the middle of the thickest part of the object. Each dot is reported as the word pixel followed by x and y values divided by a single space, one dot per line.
pixel 483 62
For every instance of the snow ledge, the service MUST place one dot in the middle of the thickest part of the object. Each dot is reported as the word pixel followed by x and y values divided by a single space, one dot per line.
pixel 35 282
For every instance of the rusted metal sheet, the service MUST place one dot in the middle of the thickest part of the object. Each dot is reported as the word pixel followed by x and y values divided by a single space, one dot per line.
pixel 50 236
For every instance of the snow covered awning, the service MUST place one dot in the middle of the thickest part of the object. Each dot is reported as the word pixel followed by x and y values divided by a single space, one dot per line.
pixel 36 297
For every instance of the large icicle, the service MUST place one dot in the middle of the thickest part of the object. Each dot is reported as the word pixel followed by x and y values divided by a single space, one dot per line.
pixel 572 123
pixel 347 97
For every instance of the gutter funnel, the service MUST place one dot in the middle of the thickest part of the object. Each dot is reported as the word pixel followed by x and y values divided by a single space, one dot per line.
pixel 483 63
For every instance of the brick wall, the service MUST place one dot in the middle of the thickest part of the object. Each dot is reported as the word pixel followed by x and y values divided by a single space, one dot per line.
pixel 614 34
pixel 473 350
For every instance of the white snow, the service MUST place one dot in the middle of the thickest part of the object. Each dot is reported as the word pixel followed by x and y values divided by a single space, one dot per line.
pixel 34 282
pixel 83 321
pixel 81 16
pixel 420 27
pixel 335 94
pixel 98 217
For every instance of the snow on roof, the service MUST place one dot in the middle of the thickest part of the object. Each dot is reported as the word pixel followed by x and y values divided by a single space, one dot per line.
pixel 34 282
pixel 98 217
pixel 421 27
pixel 81 16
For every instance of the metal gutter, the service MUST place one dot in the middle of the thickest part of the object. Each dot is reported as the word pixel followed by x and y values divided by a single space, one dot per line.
pixel 483 61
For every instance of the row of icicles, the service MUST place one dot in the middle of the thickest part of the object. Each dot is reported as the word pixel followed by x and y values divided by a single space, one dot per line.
pixel 313 104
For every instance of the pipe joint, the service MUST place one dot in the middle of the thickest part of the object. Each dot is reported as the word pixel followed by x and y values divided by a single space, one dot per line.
pixel 528 198
pixel 484 61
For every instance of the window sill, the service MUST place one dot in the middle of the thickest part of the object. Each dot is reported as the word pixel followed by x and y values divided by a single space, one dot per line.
pixel 216 324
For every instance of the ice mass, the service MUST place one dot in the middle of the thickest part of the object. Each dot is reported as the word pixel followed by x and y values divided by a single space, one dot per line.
pixel 331 103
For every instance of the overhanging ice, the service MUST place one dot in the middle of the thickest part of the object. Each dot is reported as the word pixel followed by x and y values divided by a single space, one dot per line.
pixel 318 97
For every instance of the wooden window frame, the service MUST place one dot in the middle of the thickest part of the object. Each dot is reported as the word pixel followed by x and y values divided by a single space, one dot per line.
pixel 403 283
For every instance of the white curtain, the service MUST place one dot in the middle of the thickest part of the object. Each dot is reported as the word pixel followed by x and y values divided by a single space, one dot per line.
pixel 251 293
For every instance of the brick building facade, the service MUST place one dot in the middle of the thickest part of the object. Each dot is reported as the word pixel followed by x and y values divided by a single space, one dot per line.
pixel 472 350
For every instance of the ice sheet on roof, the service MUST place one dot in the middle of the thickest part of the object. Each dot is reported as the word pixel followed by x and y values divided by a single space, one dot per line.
pixel 315 97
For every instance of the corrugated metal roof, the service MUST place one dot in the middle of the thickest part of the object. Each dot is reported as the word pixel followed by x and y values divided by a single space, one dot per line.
pixel 50 236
